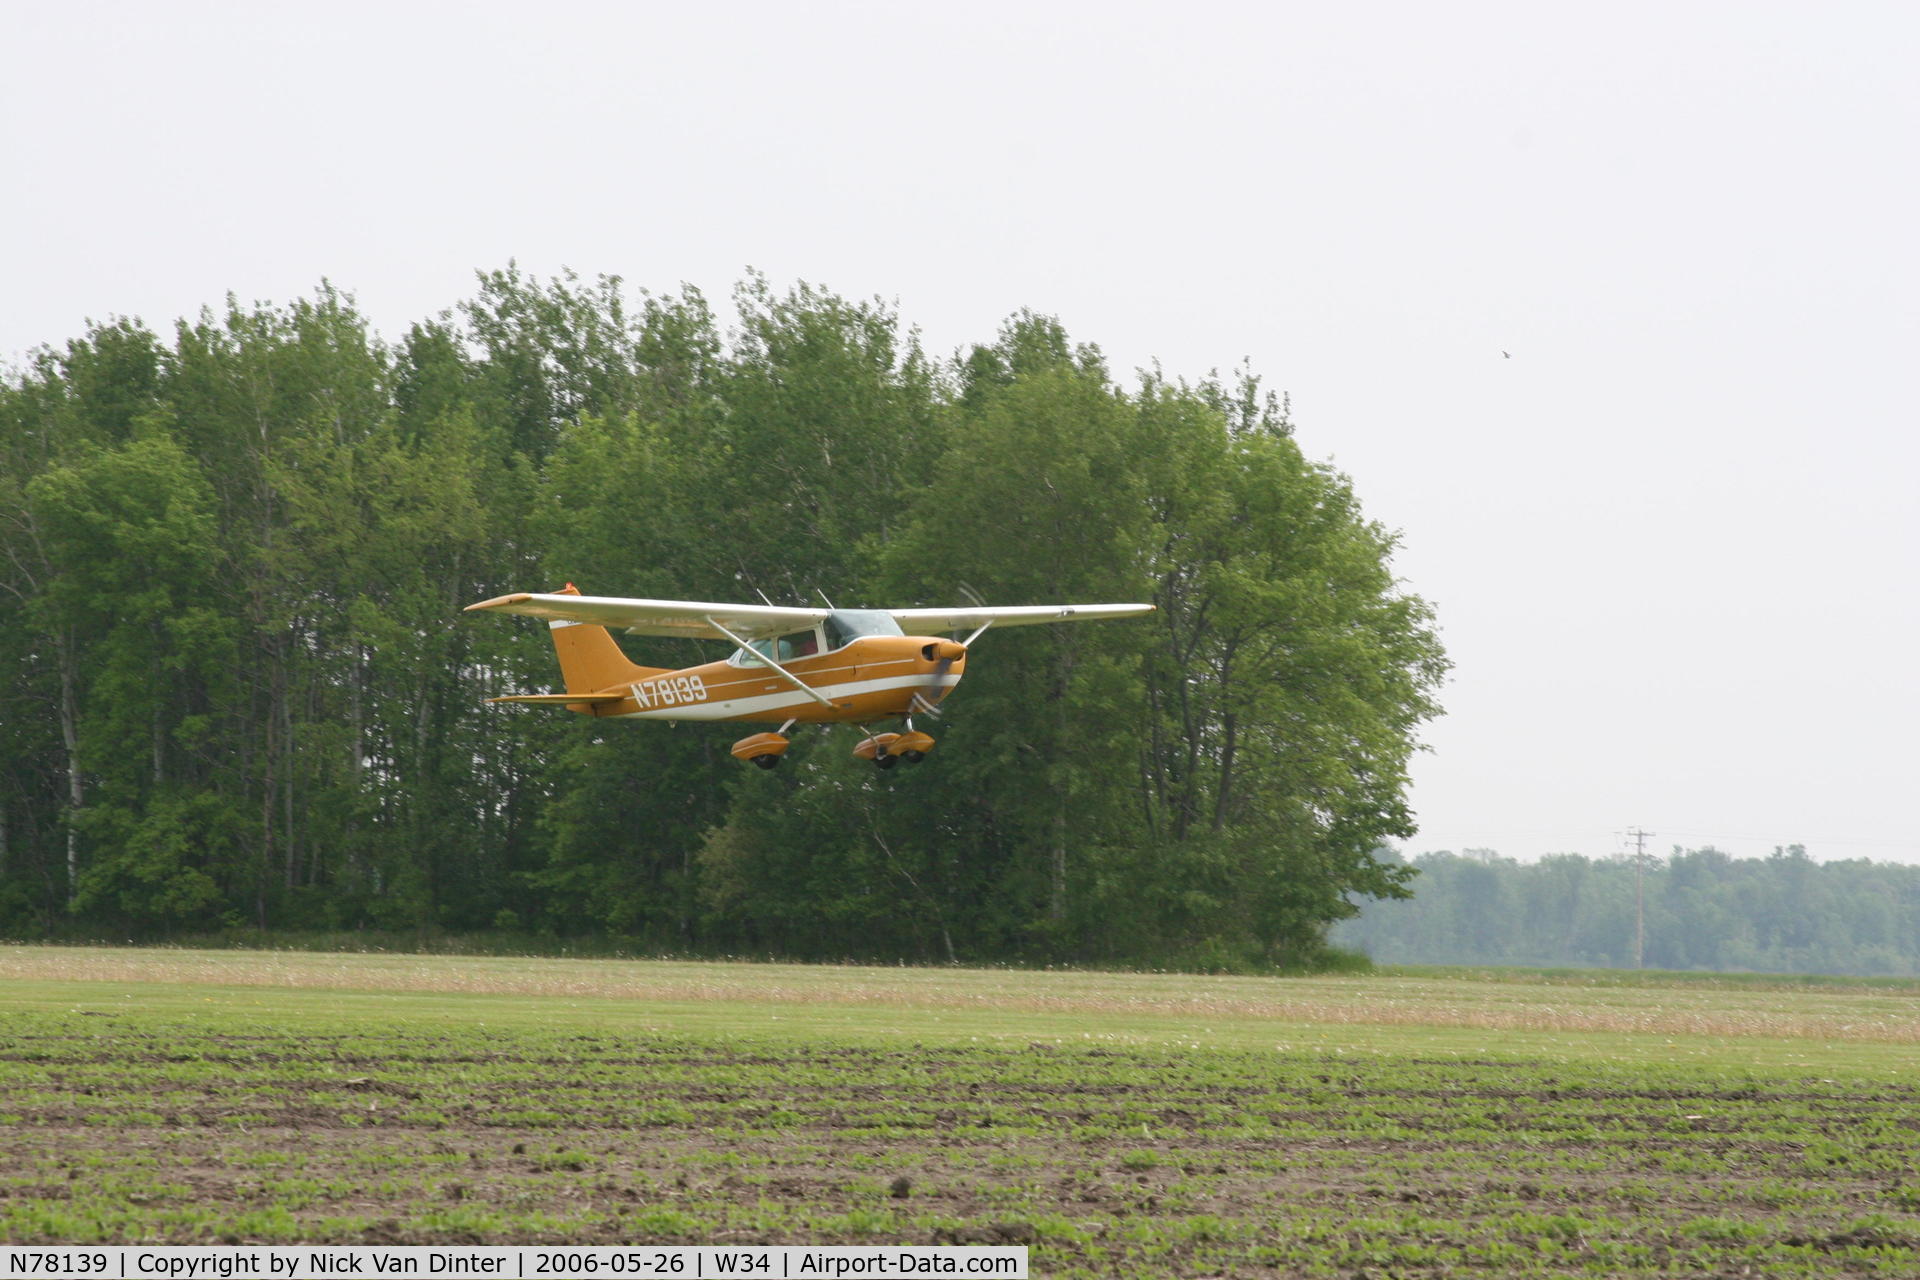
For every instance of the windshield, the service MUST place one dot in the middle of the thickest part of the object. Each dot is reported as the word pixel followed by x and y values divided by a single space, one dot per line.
pixel 847 625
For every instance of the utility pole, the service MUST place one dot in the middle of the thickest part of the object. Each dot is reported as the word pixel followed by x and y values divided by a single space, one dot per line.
pixel 1639 838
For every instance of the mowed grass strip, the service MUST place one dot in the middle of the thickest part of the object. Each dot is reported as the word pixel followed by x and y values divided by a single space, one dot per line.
pixel 1859 1027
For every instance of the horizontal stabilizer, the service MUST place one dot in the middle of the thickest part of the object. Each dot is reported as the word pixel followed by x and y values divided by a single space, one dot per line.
pixel 560 699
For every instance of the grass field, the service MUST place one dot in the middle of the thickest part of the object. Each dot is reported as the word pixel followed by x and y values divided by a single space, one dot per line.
pixel 1409 1124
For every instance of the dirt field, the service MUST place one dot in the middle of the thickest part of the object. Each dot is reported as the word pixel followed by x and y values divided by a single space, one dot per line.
pixel 182 1125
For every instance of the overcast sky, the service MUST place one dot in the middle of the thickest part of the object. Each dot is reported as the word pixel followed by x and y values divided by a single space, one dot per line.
pixel 1613 312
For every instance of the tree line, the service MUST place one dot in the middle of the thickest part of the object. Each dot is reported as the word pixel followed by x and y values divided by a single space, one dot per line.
pixel 237 689
pixel 1697 909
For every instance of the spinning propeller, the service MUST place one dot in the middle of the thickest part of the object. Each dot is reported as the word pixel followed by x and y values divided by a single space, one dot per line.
pixel 928 698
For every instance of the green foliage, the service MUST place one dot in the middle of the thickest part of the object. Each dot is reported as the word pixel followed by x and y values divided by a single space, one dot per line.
pixel 1702 910
pixel 237 692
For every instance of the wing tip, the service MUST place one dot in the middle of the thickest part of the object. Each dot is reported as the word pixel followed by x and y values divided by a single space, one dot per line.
pixel 500 601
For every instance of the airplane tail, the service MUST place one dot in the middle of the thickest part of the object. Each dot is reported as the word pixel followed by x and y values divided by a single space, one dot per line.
pixel 589 658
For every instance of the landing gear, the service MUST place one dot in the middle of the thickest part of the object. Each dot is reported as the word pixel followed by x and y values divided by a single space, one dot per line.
pixel 764 749
pixel 912 746
pixel 879 749
pixel 889 749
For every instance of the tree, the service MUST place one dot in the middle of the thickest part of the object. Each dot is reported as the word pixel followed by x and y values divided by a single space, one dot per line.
pixel 1044 504
pixel 1704 910
pixel 1277 703
pixel 130 542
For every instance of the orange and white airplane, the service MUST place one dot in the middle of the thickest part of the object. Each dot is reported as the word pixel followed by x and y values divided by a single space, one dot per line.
pixel 792 666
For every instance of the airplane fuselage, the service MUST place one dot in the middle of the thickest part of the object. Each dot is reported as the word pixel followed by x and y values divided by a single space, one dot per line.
pixel 869 678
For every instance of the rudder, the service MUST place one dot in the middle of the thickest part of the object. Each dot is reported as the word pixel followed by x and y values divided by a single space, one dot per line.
pixel 590 660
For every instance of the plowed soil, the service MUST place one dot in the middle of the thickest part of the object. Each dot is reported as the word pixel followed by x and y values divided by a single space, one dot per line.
pixel 117 1127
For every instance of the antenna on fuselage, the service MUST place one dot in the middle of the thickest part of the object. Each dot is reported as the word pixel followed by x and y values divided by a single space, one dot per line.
pixel 823 598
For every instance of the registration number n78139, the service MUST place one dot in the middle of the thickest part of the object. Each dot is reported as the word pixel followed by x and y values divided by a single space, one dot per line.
pixel 669 691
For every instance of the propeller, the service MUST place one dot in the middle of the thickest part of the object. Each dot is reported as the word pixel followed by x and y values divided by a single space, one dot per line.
pixel 927 698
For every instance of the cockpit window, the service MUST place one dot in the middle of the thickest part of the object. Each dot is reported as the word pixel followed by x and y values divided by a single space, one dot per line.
pixel 844 626
pixel 785 648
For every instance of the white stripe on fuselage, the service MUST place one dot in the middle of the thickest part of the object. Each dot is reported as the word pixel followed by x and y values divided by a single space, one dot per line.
pixel 728 708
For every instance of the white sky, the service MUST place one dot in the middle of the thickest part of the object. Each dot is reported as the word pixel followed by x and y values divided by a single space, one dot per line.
pixel 1672 539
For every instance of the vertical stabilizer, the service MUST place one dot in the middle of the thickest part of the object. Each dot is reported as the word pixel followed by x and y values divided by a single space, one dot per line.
pixel 589 659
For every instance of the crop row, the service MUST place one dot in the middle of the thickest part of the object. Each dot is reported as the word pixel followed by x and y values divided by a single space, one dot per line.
pixel 1148 1161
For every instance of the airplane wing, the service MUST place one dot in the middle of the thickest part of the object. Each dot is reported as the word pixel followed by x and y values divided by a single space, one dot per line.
pixel 659 617
pixel 921 621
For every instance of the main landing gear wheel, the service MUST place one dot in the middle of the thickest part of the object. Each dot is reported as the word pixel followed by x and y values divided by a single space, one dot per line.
pixel 889 749
pixel 764 749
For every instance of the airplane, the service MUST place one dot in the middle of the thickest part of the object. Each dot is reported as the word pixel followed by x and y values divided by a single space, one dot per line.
pixel 790 665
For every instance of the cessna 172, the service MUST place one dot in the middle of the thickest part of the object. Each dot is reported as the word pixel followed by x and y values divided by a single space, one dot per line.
pixel 792 666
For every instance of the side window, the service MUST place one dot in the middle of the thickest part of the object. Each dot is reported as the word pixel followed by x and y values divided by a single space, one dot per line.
pixel 787 648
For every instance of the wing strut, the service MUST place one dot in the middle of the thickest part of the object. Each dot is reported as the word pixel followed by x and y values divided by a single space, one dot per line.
pixel 791 678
